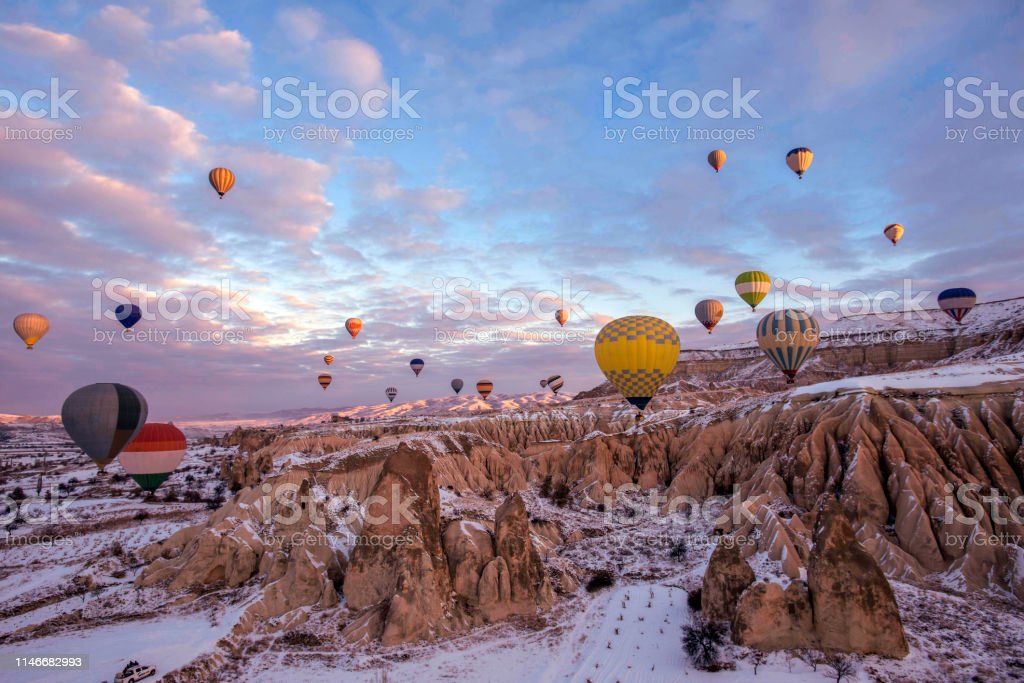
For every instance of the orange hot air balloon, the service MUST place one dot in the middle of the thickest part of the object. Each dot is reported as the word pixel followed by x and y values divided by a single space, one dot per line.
pixel 328 359
pixel 716 158
pixel 31 327
pixel 324 379
pixel 484 387
pixel 893 233
pixel 222 180
pixel 562 316
pixel 799 160
pixel 353 325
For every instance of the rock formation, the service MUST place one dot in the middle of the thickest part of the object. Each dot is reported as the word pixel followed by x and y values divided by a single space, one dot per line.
pixel 853 604
pixel 846 606
pixel 398 573
pixel 769 617
pixel 727 576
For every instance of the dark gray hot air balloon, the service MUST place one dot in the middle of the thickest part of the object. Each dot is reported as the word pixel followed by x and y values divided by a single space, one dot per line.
pixel 104 418
pixel 457 385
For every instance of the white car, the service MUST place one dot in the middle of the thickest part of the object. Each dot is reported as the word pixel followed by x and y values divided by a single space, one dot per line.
pixel 131 674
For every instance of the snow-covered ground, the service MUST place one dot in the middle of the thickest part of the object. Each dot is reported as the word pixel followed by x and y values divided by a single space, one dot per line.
pixel 165 643
pixel 961 376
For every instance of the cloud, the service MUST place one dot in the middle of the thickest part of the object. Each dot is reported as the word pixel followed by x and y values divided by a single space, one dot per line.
pixel 354 62
pixel 300 25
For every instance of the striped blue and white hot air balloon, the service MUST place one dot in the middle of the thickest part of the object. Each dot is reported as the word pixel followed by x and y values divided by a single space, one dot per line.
pixel 788 337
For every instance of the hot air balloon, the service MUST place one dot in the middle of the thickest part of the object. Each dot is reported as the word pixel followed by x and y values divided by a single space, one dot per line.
pixel 893 232
pixel 103 418
pixel 128 315
pixel 562 316
pixel 716 158
pixel 709 312
pixel 417 365
pixel 543 383
pixel 153 455
pixel 391 392
pixel 555 383
pixel 31 327
pixel 788 337
pixel 636 354
pixel 484 387
pixel 799 160
pixel 753 287
pixel 328 359
pixel 222 180
pixel 324 379
pixel 457 385
pixel 957 302
pixel 353 325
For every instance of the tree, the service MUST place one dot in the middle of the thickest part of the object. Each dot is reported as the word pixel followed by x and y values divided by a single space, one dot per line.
pixel 758 658
pixel 842 666
pixel 702 640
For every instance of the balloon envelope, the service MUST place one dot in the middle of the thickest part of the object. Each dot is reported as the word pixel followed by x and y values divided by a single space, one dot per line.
pixel 31 327
pixel 457 385
pixel 353 325
pixel 153 455
pixel 543 383
pixel 562 316
pixel 709 312
pixel 753 286
pixel 324 379
pixel 957 302
pixel 128 315
pixel 893 232
pixel 555 383
pixel 391 392
pixel 103 418
pixel 222 180
pixel 417 365
pixel 328 359
pixel 484 387
pixel 799 160
pixel 636 353
pixel 716 158
pixel 788 337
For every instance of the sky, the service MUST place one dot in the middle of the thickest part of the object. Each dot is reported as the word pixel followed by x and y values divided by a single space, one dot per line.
pixel 489 155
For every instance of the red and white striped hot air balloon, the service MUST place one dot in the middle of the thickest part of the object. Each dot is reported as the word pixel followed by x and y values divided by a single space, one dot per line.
pixel 153 455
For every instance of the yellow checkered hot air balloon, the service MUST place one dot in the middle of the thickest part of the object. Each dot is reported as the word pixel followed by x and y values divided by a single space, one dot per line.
pixel 636 354
pixel 753 286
